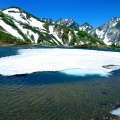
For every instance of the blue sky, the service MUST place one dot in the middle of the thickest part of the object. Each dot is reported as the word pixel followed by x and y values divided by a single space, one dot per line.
pixel 95 12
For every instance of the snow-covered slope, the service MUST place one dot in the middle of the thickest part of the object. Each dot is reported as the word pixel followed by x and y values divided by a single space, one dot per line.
pixel 86 27
pixel 10 29
pixel 20 15
pixel 110 32
pixel 65 32
pixel 68 22
pixel 27 27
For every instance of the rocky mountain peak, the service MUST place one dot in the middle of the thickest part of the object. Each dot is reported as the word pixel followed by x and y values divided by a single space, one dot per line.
pixel 110 32
pixel 86 27
pixel 47 20
pixel 69 23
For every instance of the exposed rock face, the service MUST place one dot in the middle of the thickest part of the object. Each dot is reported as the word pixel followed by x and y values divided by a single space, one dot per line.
pixel 110 32
pixel 69 23
pixel 86 27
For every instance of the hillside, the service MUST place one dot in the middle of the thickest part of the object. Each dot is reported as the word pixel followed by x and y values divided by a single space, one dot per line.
pixel 27 28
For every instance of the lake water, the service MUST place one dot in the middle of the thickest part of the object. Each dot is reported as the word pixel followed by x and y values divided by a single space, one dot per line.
pixel 55 95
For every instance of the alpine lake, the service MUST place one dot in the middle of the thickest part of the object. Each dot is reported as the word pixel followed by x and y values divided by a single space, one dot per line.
pixel 57 96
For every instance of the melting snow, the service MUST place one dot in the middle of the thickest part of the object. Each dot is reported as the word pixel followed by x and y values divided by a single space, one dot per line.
pixel 106 40
pixel 51 29
pixel 13 9
pixel 36 23
pixel 116 112
pixel 70 61
pixel 114 24
pixel 10 29
pixel 19 16
pixel 28 33
pixel 100 33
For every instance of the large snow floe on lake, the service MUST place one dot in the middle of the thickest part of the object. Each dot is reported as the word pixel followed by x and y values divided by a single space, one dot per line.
pixel 116 112
pixel 69 61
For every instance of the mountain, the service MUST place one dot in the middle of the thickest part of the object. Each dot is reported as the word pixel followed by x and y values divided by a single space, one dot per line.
pixel 68 23
pixel 86 27
pixel 47 20
pixel 15 22
pixel 110 32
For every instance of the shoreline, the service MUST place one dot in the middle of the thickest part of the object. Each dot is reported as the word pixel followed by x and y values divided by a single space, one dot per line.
pixel 63 47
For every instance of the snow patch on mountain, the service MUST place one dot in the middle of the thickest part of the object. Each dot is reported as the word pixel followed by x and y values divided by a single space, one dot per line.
pixel 36 23
pixel 30 34
pixel 16 15
pixel 110 32
pixel 106 40
pixel 21 16
pixel 10 29
pixel 86 27
pixel 69 36
pixel 116 112
pixel 100 33
pixel 55 34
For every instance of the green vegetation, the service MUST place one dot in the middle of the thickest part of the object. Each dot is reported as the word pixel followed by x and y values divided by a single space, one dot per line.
pixel 46 26
pixel 88 38
pixel 78 39
pixel 7 39
pixel 9 20
pixel 48 39
pixel 113 46
pixel 29 27
pixel 44 38
pixel 2 29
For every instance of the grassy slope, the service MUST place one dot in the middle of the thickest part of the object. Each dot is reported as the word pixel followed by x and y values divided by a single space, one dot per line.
pixel 7 39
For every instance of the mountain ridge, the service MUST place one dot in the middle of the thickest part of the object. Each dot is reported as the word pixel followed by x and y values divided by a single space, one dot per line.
pixel 64 32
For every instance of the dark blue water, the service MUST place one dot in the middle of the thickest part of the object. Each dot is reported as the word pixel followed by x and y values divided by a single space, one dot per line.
pixel 56 96
pixel 43 78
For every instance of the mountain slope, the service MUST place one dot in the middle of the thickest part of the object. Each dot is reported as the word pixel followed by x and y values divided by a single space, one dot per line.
pixel 68 23
pixel 28 28
pixel 8 39
pixel 110 32
pixel 87 28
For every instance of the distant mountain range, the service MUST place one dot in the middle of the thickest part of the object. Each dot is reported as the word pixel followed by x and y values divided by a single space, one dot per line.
pixel 17 23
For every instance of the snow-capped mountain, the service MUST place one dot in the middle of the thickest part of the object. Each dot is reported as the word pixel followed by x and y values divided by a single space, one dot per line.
pixel 15 20
pixel 66 32
pixel 69 23
pixel 86 27
pixel 110 32
pixel 22 25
